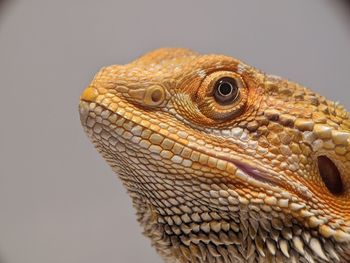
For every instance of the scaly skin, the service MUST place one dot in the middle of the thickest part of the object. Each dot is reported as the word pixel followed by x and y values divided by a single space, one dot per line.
pixel 223 183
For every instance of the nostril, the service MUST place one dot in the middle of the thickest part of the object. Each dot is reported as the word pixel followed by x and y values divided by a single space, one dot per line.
pixel 154 96
pixel 330 175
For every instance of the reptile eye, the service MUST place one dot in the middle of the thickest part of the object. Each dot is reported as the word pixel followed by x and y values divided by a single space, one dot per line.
pixel 330 175
pixel 226 90
pixel 222 95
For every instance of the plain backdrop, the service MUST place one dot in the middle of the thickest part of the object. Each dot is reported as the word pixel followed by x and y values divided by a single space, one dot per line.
pixel 59 201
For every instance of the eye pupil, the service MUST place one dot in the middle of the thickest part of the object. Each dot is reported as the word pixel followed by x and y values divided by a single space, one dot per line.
pixel 226 90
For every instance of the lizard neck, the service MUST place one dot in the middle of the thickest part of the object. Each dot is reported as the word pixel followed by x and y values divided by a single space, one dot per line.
pixel 238 235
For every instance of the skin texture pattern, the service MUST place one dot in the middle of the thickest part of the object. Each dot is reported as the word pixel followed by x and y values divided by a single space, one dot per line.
pixel 224 163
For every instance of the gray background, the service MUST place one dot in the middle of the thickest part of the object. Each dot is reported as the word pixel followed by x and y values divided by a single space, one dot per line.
pixel 59 201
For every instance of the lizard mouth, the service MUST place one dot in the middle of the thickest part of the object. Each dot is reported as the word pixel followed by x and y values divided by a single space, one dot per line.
pixel 260 177
pixel 251 173
pixel 255 174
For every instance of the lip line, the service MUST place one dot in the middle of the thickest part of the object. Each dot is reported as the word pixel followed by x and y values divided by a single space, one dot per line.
pixel 257 174
pixel 254 173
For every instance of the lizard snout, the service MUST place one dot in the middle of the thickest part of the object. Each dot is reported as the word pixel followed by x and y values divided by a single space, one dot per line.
pixel 89 94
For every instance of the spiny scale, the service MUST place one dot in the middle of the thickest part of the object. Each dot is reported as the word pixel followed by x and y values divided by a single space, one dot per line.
pixel 228 182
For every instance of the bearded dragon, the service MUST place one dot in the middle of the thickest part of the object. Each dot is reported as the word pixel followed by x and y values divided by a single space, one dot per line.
pixel 224 163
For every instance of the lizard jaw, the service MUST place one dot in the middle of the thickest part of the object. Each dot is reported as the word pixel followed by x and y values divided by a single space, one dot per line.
pixel 251 173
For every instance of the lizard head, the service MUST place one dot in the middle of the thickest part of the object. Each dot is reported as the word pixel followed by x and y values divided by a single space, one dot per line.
pixel 223 162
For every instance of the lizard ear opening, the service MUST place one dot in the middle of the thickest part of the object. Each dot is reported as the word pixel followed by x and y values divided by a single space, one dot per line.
pixel 330 175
